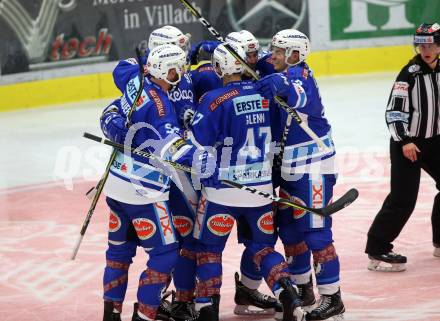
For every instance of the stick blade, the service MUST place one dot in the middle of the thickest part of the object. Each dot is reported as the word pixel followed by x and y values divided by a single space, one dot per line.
pixel 345 200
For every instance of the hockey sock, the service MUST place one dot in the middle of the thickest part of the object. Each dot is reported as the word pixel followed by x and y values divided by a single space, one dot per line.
pixel 250 276
pixel 209 275
pixel 326 263
pixel 272 266
pixel 298 258
pixel 154 280
pixel 184 275
pixel 115 281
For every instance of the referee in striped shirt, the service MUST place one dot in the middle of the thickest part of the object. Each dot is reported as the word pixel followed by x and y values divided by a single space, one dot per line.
pixel 413 118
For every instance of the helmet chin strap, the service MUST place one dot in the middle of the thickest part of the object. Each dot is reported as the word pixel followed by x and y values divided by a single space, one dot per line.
pixel 174 83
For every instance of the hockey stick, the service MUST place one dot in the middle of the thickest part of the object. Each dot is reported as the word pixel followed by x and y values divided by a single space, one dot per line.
pixel 348 198
pixel 292 112
pixel 97 190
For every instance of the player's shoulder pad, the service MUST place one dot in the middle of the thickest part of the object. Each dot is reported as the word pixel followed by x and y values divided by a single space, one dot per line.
pixel 214 98
pixel 131 61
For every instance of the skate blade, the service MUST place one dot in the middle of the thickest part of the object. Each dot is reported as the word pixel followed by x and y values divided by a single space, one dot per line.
pixel 299 314
pixel 436 252
pixel 381 266
pixel 251 310
pixel 339 317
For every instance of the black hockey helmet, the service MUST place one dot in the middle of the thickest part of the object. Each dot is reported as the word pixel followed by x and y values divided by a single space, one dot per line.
pixel 427 33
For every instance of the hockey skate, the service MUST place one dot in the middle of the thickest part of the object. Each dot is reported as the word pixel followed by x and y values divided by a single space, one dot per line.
pixel 330 307
pixel 246 298
pixel 109 314
pixel 210 312
pixel 436 252
pixel 390 262
pixel 305 292
pixel 182 311
pixel 163 312
pixel 291 302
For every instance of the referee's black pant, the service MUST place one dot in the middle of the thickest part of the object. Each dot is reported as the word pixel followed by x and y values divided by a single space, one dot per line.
pixel 400 203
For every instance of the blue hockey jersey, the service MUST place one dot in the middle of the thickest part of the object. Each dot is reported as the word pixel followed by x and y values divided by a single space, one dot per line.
pixel 301 153
pixel 264 65
pixel 204 79
pixel 235 120
pixel 134 179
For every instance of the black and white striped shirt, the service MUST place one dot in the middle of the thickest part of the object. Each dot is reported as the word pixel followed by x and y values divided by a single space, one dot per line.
pixel 414 107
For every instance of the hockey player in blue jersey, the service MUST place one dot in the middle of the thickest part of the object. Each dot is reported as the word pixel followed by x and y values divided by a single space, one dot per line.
pixel 258 59
pixel 308 176
pixel 183 198
pixel 182 94
pixel 137 192
pixel 202 74
pixel 235 121
pixel 250 278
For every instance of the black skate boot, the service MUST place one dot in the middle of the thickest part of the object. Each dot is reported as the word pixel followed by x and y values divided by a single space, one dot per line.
pixel 290 301
pixel 305 292
pixel 163 312
pixel 109 314
pixel 182 311
pixel 330 306
pixel 245 297
pixel 210 312
pixel 390 262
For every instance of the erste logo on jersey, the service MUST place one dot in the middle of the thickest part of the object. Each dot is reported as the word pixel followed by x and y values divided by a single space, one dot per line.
pixel 249 104
pixel 144 227
pixel 183 224
pixel 220 224
pixel 265 223
pixel 114 222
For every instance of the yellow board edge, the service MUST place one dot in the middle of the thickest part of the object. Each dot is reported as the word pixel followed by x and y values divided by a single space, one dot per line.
pixel 96 86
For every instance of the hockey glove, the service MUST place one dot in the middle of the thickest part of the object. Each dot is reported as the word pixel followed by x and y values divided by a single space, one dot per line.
pixel 273 85
pixel 113 124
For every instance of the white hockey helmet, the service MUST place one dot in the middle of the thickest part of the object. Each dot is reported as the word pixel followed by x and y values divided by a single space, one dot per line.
pixel 245 39
pixel 163 58
pixel 226 62
pixel 169 35
pixel 292 40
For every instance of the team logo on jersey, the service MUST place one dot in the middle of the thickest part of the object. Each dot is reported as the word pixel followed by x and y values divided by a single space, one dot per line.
pixel 144 227
pixel 265 223
pixel 220 224
pixel 114 222
pixel 296 213
pixel 249 104
pixel 220 99
pixel 183 224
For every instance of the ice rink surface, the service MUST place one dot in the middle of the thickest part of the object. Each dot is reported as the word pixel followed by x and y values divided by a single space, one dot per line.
pixel 46 167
